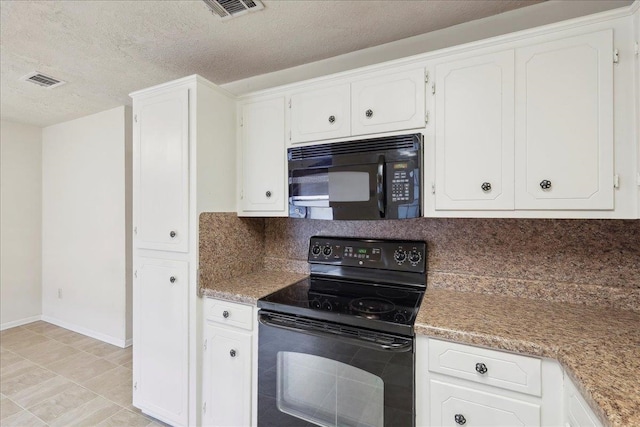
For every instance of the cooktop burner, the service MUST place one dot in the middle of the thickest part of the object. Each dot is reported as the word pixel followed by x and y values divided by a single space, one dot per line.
pixel 371 306
pixel 374 284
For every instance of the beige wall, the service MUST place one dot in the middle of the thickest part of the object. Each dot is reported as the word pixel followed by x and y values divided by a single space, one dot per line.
pixel 20 228
pixel 85 255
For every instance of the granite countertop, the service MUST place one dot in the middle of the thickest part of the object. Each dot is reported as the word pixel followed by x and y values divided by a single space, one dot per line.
pixel 249 288
pixel 599 348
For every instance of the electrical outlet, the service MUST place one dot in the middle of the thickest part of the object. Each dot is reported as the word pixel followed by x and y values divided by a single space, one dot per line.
pixel 59 293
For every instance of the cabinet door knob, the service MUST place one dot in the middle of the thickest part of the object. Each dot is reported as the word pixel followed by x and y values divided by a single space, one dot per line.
pixel 332 119
pixel 268 194
pixel 459 419
pixel 481 368
pixel 368 113
pixel 232 353
pixel 172 234
pixel 172 279
pixel 225 314
pixel 486 186
pixel 545 184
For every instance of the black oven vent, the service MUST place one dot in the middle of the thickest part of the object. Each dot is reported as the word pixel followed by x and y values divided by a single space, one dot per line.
pixel 311 326
pixel 399 142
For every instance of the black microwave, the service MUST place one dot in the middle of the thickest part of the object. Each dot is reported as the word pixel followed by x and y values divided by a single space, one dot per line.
pixel 377 178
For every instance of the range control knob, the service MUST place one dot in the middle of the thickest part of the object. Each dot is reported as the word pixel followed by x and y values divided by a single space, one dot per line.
pixel 415 256
pixel 400 256
pixel 326 251
pixel 315 303
pixel 327 306
pixel 315 250
pixel 400 317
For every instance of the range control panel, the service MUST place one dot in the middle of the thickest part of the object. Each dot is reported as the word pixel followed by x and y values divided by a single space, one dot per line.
pixel 399 255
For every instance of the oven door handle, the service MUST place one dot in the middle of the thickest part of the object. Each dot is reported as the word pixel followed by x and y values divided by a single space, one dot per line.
pixel 393 343
pixel 380 187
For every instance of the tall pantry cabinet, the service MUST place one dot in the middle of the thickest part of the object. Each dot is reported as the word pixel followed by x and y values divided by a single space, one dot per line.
pixel 183 164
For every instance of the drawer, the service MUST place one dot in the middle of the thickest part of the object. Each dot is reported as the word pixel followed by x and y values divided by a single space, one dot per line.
pixel 495 368
pixel 452 405
pixel 229 313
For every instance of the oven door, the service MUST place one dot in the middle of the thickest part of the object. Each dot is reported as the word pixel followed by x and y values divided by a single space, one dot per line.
pixel 314 373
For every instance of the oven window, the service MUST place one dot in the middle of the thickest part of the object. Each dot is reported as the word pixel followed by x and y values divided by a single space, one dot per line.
pixel 328 393
pixel 348 186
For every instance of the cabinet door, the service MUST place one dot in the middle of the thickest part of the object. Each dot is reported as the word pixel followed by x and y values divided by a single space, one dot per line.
pixel 564 123
pixel 263 156
pixel 577 411
pixel 160 340
pixel 161 171
pixel 474 133
pixel 321 114
pixel 388 103
pixel 227 377
pixel 453 405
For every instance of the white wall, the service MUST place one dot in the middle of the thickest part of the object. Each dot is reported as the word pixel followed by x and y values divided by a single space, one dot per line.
pixel 543 13
pixel 20 223
pixel 85 211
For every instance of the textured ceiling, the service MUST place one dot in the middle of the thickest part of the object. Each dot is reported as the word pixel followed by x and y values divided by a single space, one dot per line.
pixel 106 49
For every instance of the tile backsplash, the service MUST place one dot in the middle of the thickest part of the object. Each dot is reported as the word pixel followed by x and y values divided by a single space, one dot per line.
pixel 583 261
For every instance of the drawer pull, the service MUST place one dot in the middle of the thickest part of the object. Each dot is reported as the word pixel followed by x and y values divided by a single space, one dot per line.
pixel 232 353
pixel 459 419
pixel 481 368
pixel 225 314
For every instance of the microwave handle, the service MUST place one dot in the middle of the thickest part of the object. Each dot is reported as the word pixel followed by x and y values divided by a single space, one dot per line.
pixel 380 187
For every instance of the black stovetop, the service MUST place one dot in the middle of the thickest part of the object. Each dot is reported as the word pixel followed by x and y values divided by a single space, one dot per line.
pixel 373 284
pixel 373 306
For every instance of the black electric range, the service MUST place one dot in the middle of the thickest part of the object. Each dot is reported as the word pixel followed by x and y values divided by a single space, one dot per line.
pixel 372 284
pixel 338 348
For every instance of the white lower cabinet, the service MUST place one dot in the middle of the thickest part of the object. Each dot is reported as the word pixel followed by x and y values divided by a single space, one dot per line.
pixel 161 342
pixel 459 405
pixel 459 384
pixel 577 411
pixel 228 363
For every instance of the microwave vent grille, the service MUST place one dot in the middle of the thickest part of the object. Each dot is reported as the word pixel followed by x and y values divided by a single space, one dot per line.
pixel 408 142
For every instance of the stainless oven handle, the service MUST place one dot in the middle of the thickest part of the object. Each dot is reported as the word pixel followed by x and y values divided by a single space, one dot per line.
pixel 380 187
pixel 400 344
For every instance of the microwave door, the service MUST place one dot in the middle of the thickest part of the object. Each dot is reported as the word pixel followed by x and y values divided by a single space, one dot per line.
pixel 357 191
pixel 338 192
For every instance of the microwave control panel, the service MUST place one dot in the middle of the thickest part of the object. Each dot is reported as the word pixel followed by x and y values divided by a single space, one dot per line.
pixel 401 177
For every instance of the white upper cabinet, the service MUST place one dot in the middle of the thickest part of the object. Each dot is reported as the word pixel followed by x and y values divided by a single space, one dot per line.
pixel 263 158
pixel 474 132
pixel 564 123
pixel 388 103
pixel 161 178
pixel 321 114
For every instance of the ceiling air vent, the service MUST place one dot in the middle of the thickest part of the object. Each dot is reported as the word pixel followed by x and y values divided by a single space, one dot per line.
pixel 42 80
pixel 227 9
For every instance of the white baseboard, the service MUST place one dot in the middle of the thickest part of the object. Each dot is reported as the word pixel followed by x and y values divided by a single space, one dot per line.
pixel 128 343
pixel 19 322
pixel 88 332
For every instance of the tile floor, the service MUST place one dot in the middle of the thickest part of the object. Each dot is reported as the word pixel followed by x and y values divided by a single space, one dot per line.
pixel 50 376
